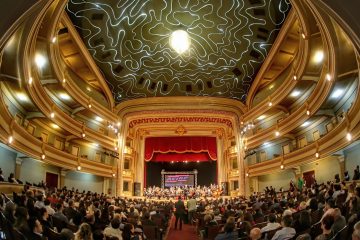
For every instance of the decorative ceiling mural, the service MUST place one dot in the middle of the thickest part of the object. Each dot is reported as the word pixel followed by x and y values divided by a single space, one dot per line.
pixel 129 41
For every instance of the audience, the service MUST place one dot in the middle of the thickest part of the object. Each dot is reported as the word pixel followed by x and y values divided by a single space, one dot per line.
pixel 287 232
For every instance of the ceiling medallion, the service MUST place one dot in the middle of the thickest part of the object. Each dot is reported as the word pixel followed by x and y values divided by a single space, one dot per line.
pixel 180 41
pixel 180 130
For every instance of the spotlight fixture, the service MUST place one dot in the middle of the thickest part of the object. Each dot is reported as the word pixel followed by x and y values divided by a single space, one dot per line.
pixel 10 139
pixel 197 161
pixel 282 166
pixel 317 155
pixel 307 112
pixel 52 114
pixel 78 168
pixel 89 105
pixel 116 148
pixel 172 161
pixel 64 80
pixel 114 175
pixel 277 133
pixel 348 136
pixel 186 161
pixel 247 174
pixel 53 40
pixel 30 80
pixel 295 93
pixel 83 135
pixel 295 77
pixel 303 35
pixel 43 156
pixel 180 41
pixel 270 104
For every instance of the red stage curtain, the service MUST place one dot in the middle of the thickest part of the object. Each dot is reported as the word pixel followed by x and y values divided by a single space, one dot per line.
pixel 180 157
pixel 180 145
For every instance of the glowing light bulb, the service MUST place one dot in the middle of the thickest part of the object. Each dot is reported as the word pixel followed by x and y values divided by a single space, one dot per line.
pixel 180 41
pixel 282 166
pixel 317 155
pixel 79 168
pixel 11 139
pixel 43 156
pixel 348 136
pixel 270 104
pixel 52 115
pixel 277 133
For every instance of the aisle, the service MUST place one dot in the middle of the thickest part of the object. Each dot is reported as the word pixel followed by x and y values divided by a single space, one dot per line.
pixel 187 232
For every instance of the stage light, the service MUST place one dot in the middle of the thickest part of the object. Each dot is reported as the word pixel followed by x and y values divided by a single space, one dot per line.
pixel 317 155
pixel 10 139
pixel 348 136
pixel 52 114
pixel 180 41
pixel 197 161
pixel 172 161
pixel 88 88
pixel 78 168
pixel 43 156
pixel 186 161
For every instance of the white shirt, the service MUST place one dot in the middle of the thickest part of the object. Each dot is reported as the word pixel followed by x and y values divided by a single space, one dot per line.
pixel 50 210
pixel 270 226
pixel 109 231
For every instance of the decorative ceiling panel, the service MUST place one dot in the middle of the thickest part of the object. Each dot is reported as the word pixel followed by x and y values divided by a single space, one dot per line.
pixel 129 41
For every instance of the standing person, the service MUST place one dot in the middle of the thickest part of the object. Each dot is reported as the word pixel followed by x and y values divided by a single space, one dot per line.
pixel 191 205
pixel 179 212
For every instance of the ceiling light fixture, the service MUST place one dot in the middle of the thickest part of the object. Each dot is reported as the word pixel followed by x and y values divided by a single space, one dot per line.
pixel 317 155
pixel 89 105
pixel 295 77
pixel 52 115
pixel 277 133
pixel 270 104
pixel 305 124
pixel 99 119
pixel 10 139
pixel 78 168
pixel 53 125
pixel 247 174
pixel 295 93
pixel 328 77
pixel 40 60
pixel 261 117
pixel 319 56
pixel 64 80
pixel 337 93
pixel 308 112
pixel 303 35
pixel 22 97
pixel 180 41
pixel 348 136
pixel 282 166
pixel 64 96
pixel 114 175
pixel 30 80
pixel 43 156
pixel 53 40
pixel 83 135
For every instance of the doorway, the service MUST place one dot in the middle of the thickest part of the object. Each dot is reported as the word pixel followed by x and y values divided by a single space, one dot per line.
pixel 309 178
pixel 52 180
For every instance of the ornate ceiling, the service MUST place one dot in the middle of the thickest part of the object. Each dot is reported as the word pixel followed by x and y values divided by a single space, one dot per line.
pixel 129 41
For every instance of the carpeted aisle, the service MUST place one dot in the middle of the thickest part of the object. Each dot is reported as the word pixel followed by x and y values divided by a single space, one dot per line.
pixel 187 232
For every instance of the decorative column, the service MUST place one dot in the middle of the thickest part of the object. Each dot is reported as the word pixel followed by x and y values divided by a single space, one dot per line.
pixel 18 163
pixel 221 167
pixel 241 163
pixel 63 173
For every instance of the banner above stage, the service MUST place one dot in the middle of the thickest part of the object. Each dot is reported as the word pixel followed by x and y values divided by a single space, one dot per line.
pixel 180 145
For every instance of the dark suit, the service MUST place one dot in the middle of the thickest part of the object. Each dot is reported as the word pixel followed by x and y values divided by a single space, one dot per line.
pixel 179 212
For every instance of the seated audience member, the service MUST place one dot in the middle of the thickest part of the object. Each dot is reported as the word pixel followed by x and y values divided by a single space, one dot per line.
pixel 49 209
pixel 304 236
pixel 66 234
pixel 339 221
pixel 356 232
pixel 39 202
pixel 255 234
pixel 272 224
pixel 326 224
pixel 346 176
pixel 303 223
pixel 11 178
pixel 21 222
pixel 287 232
pixel 9 212
pixel 44 219
pixel 229 231
pixel 98 235
pixel 84 232
pixel 59 213
pixel 36 230
pixel 114 229
pixel 129 233
pixel 356 173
